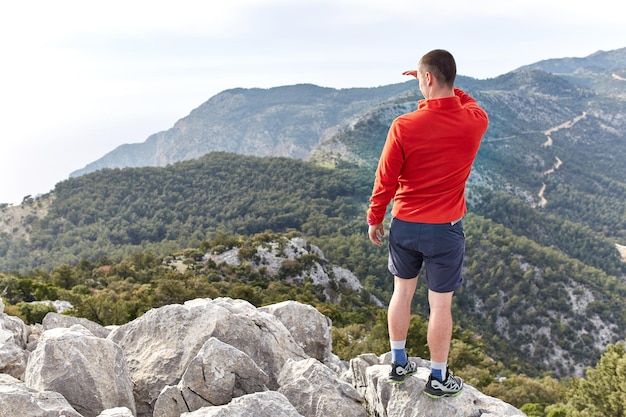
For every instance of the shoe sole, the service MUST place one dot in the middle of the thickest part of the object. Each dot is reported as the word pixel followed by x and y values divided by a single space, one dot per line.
pixel 436 396
pixel 400 381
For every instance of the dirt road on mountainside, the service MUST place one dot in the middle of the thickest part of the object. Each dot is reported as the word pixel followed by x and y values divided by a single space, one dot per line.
pixel 565 125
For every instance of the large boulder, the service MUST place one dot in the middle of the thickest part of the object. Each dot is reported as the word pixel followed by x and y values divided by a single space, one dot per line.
pixel 16 399
pixel 13 340
pixel 217 374
pixel 161 344
pixel 316 391
pixel 310 328
pixel 90 372
pixel 408 400
pixel 261 404
pixel 55 320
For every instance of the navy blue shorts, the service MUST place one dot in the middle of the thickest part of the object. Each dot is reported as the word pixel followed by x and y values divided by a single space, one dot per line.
pixel 440 247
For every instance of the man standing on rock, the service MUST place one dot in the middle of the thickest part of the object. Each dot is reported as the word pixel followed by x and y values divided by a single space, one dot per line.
pixel 423 168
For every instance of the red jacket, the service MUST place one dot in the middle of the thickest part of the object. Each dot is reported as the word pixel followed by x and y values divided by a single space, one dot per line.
pixel 427 159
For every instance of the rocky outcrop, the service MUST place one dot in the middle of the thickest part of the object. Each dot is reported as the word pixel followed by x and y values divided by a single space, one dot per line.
pixel 162 343
pixel 220 357
pixel 69 360
pixel 407 400
pixel 13 341
pixel 16 399
pixel 263 404
pixel 310 329
pixel 316 391
pixel 55 320
pixel 270 257
pixel 217 374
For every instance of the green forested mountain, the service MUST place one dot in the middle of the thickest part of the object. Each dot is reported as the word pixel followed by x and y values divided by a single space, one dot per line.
pixel 114 211
pixel 544 278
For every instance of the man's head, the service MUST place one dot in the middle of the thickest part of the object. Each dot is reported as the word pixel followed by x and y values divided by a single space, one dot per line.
pixel 437 66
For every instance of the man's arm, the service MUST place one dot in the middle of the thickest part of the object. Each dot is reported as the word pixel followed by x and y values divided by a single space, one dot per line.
pixel 468 102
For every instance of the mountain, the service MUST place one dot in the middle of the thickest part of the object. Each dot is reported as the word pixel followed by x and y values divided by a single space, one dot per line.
pixel 602 71
pixel 292 120
pixel 547 198
pixel 283 121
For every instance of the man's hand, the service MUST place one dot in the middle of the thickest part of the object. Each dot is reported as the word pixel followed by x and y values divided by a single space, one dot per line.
pixel 410 72
pixel 376 231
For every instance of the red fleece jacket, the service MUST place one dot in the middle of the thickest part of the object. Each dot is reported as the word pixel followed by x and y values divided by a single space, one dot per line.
pixel 426 160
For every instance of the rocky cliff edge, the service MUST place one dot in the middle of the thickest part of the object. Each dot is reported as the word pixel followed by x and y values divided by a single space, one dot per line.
pixel 207 358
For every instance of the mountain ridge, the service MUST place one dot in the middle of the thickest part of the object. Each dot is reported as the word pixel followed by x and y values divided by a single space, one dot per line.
pixel 218 125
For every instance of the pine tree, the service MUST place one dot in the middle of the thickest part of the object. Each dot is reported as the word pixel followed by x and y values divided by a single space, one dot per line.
pixel 603 391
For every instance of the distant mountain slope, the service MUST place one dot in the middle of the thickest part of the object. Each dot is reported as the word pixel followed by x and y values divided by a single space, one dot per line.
pixel 292 120
pixel 281 121
pixel 598 61
pixel 603 71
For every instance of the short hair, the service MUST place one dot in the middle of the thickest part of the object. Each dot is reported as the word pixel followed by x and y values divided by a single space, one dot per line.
pixel 441 64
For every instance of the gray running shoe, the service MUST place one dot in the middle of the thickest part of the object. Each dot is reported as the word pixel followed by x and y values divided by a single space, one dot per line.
pixel 450 387
pixel 399 373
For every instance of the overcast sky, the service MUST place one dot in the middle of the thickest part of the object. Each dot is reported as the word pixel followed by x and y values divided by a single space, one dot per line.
pixel 79 78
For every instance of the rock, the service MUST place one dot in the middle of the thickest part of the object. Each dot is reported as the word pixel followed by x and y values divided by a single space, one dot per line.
pixel 13 360
pixel 13 340
pixel 55 320
pixel 34 333
pixel 215 376
pixel 219 357
pixel 261 404
pixel 18 331
pixel 316 391
pixel 161 344
pixel 116 412
pixel 310 328
pixel 90 372
pixel 359 366
pixel 408 399
pixel 170 403
pixel 17 400
pixel 220 373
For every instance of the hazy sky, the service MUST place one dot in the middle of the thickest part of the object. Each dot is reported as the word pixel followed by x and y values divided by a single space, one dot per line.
pixel 79 78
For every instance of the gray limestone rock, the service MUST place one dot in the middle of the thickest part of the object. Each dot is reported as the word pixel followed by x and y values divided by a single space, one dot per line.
pixel 90 372
pixel 16 399
pixel 54 320
pixel 310 328
pixel 408 399
pixel 209 358
pixel 260 404
pixel 161 344
pixel 215 376
pixel 316 391
pixel 13 341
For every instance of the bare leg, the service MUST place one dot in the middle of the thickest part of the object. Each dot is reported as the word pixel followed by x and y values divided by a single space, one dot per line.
pixel 399 315
pixel 439 325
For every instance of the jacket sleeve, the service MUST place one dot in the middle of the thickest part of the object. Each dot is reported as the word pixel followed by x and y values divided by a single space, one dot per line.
pixel 387 173
pixel 469 103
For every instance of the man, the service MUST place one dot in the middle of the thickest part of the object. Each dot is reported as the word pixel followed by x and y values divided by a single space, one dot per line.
pixel 424 166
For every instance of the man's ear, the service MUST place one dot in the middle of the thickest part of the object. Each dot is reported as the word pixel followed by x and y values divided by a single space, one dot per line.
pixel 428 77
